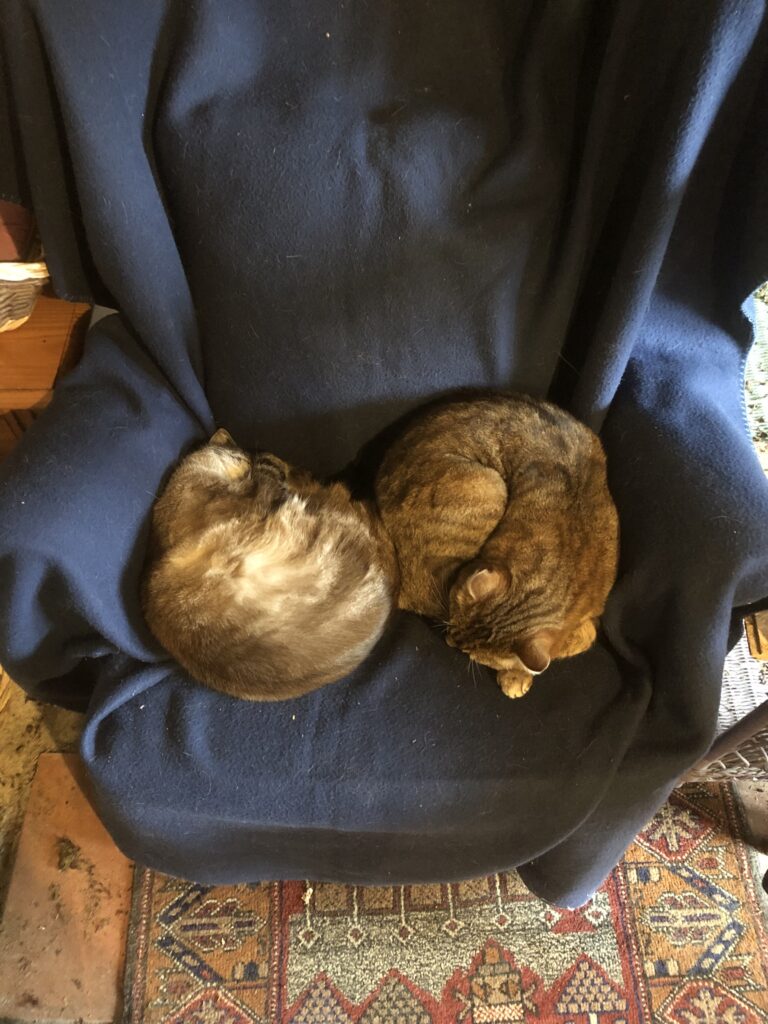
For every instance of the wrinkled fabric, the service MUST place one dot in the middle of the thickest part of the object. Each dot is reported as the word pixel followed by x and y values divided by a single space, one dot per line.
pixel 310 219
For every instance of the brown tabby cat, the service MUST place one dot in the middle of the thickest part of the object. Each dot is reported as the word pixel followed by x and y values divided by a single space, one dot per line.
pixel 504 529
pixel 262 582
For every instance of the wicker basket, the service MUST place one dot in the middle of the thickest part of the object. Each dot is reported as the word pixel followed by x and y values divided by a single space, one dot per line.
pixel 20 285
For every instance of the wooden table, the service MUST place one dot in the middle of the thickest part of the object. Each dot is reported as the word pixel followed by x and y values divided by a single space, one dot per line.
pixel 32 358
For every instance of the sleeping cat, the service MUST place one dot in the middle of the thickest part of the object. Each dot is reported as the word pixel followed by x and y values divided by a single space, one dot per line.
pixel 504 529
pixel 262 582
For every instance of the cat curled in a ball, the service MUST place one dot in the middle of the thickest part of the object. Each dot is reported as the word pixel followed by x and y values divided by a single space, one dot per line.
pixel 504 529
pixel 263 582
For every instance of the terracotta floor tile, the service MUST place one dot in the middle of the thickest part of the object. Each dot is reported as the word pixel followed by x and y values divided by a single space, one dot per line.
pixel 63 932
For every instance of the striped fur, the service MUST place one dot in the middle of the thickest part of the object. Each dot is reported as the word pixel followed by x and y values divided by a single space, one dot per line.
pixel 504 529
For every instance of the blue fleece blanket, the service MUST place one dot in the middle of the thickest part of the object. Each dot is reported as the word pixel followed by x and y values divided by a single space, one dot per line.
pixel 312 217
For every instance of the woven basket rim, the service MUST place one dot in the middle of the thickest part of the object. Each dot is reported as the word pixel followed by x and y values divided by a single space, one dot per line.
pixel 16 272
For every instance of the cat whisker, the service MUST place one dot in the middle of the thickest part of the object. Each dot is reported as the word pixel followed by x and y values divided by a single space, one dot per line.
pixel 473 673
pixel 437 592
pixel 567 362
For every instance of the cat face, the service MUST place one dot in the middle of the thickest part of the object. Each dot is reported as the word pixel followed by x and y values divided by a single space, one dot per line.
pixel 220 480
pixel 496 623
pixel 263 474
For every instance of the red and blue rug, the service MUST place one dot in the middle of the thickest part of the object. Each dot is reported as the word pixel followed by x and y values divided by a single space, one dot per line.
pixel 675 935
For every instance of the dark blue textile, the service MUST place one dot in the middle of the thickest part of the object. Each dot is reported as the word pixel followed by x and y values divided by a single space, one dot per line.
pixel 312 217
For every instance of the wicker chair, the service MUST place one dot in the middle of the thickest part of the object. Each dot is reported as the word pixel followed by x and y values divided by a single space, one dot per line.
pixel 741 748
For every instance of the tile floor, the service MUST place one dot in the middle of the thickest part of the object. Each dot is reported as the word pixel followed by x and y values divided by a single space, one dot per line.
pixel 65 920
pixel 27 730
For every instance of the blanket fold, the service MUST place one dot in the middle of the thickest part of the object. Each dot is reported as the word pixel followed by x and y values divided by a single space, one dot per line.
pixel 310 221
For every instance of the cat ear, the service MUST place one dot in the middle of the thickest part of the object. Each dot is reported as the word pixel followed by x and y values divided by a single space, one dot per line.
pixel 224 438
pixel 534 653
pixel 487 581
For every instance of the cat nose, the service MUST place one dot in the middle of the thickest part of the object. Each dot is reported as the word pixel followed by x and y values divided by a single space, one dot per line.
pixel 451 643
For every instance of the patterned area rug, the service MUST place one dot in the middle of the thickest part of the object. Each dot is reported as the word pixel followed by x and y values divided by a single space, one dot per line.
pixel 676 935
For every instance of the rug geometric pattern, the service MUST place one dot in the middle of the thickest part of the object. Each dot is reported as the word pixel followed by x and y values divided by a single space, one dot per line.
pixel 676 936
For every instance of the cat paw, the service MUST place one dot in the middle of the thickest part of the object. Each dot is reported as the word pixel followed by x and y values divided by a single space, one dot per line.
pixel 581 639
pixel 515 684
